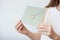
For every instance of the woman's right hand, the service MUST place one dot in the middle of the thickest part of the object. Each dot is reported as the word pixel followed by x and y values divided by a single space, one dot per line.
pixel 21 28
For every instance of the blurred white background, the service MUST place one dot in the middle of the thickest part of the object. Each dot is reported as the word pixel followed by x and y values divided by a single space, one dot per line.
pixel 10 12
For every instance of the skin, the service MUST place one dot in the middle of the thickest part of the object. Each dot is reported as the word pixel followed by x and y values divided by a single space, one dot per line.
pixel 43 29
pixel 53 35
pixel 22 29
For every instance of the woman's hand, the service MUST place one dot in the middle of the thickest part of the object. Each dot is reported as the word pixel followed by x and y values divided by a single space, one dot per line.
pixel 44 28
pixel 47 29
pixel 21 28
pixel 53 35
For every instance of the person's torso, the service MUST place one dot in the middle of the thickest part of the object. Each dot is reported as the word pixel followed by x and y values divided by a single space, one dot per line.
pixel 54 18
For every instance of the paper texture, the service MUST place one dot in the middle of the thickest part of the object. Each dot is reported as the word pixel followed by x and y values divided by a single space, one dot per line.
pixel 33 15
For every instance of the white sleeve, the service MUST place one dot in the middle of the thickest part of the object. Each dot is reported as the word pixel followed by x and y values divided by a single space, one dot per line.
pixel 45 37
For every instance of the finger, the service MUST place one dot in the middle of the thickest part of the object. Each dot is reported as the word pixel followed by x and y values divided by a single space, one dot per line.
pixel 18 23
pixel 19 26
pixel 42 30
pixel 42 27
pixel 46 31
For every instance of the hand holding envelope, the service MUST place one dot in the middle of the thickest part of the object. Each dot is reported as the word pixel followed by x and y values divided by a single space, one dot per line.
pixel 34 16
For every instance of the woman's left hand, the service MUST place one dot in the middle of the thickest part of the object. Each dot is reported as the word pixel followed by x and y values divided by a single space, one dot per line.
pixel 45 28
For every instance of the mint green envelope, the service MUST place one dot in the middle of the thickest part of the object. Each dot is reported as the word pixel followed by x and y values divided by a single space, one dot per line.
pixel 33 15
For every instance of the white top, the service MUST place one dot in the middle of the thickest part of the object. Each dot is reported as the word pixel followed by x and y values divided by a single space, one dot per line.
pixel 53 17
